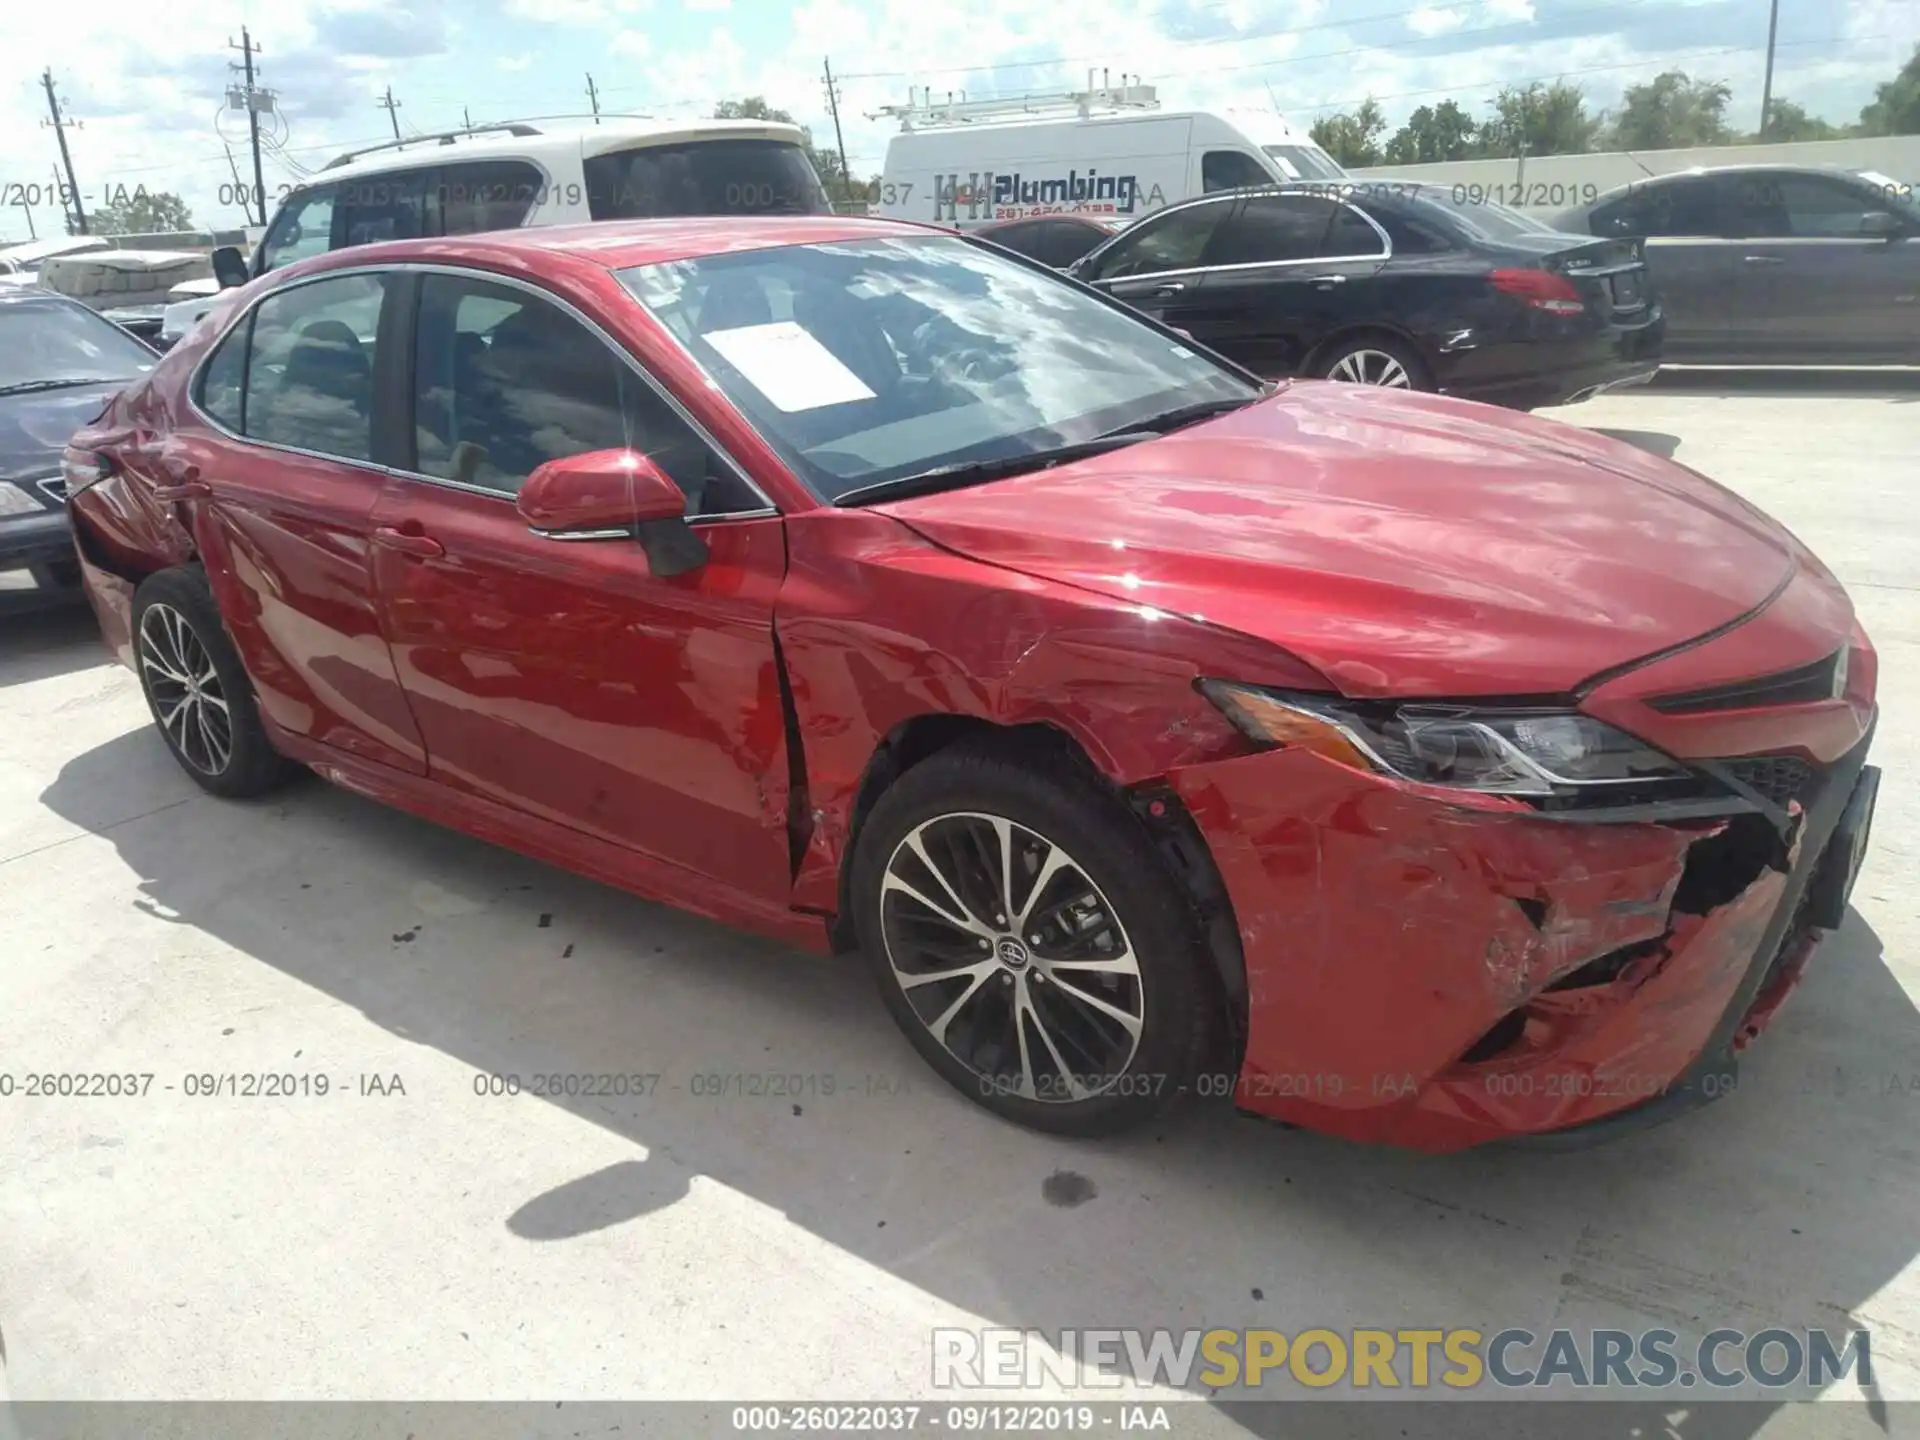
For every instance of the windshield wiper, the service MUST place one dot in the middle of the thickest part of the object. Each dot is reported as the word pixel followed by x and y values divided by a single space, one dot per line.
pixel 1168 420
pixel 27 387
pixel 974 472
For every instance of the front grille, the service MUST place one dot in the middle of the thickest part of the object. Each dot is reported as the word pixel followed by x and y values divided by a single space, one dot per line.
pixel 54 487
pixel 1821 680
pixel 1781 778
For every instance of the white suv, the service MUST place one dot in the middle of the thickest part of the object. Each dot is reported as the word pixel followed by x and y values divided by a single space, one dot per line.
pixel 502 177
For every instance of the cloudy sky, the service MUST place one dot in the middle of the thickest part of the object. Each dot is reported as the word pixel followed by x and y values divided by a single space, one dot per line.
pixel 147 77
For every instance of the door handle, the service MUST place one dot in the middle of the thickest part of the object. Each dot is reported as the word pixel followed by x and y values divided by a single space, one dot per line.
pixel 424 546
pixel 1764 259
pixel 1172 287
pixel 1329 280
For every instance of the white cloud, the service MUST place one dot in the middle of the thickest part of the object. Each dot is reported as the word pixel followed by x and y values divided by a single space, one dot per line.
pixel 513 63
pixel 1429 21
pixel 574 12
pixel 631 45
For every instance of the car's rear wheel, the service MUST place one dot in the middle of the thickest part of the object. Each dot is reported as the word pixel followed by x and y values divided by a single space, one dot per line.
pixel 1031 944
pixel 1375 360
pixel 198 690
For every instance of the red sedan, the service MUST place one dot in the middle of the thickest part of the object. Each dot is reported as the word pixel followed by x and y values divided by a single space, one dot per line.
pixel 1403 768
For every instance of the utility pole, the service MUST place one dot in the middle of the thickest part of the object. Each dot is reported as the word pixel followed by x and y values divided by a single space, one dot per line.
pixel 392 107
pixel 1766 90
pixel 252 97
pixel 593 98
pixel 78 220
pixel 839 140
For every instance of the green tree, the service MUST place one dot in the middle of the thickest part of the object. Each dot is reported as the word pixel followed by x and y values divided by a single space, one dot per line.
pixel 140 212
pixel 1787 122
pixel 1352 140
pixel 1896 106
pixel 1672 111
pixel 1432 134
pixel 1541 119
pixel 826 161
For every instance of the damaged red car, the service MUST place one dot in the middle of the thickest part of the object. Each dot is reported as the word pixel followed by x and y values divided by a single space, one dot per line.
pixel 1399 767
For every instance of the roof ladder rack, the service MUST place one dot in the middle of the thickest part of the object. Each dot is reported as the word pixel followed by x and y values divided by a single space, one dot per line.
pixel 927 114
pixel 440 137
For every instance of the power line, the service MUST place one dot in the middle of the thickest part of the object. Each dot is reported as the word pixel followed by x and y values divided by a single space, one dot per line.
pixel 77 221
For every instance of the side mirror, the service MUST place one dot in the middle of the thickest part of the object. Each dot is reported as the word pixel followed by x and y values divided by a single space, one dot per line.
pixel 1880 224
pixel 610 495
pixel 230 267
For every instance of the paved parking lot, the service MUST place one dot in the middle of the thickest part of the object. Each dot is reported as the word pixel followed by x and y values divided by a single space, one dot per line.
pixel 406 1236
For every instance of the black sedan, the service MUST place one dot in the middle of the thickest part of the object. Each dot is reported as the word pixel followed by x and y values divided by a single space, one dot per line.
pixel 1775 265
pixel 1054 240
pixel 60 363
pixel 1394 284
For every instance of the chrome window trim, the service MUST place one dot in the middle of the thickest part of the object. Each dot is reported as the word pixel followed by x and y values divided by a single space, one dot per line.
pixel 1383 255
pixel 426 267
pixel 53 486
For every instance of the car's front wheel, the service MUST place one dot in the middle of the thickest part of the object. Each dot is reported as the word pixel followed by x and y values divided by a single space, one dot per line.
pixel 1030 942
pixel 198 690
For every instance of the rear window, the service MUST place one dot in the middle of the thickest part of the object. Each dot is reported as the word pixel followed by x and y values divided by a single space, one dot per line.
pixel 704 177
pixel 1484 220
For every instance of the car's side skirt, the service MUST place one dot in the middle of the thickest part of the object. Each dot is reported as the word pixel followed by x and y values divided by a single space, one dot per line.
pixel 625 869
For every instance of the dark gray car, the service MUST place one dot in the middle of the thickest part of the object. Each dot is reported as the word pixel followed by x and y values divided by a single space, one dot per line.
pixel 1775 264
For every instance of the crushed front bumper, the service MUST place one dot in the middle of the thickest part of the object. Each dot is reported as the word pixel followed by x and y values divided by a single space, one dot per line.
pixel 1425 975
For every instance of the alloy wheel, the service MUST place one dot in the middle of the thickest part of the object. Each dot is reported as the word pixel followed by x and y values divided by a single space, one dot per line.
pixel 1012 958
pixel 1371 367
pixel 186 690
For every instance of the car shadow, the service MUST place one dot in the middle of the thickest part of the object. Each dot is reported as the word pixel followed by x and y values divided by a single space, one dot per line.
pixel 42 638
pixel 1652 441
pixel 1786 1204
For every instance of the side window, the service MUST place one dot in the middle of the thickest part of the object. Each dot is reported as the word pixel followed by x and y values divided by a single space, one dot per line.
pixel 383 207
pixel 505 381
pixel 1350 234
pixel 1411 235
pixel 1230 170
pixel 1801 205
pixel 487 195
pixel 1273 228
pixel 1170 242
pixel 1678 208
pixel 310 367
pixel 223 381
pixel 303 227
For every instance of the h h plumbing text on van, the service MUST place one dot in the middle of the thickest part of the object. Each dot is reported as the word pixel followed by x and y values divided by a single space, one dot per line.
pixel 1016 196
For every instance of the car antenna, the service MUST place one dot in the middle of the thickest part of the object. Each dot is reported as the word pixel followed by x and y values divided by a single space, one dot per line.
pixel 1636 160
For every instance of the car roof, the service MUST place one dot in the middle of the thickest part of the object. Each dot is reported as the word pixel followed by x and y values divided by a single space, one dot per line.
pixel 619 244
pixel 502 143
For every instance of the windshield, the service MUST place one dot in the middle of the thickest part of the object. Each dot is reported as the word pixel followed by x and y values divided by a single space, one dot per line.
pixel 1898 194
pixel 870 360
pixel 1305 162
pixel 49 342
pixel 704 177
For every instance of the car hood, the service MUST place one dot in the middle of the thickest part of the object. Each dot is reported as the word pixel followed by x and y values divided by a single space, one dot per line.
pixel 35 428
pixel 1403 544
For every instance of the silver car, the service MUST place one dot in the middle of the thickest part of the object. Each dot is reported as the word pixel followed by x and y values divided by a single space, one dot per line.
pixel 1774 264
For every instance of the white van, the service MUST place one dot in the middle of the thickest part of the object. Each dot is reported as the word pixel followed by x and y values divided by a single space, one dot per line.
pixel 504 177
pixel 1103 152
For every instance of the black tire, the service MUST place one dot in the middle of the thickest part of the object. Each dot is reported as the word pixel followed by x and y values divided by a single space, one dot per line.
pixel 179 607
pixel 1045 803
pixel 1341 352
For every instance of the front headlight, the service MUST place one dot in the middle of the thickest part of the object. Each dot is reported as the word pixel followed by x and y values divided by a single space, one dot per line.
pixel 1533 752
